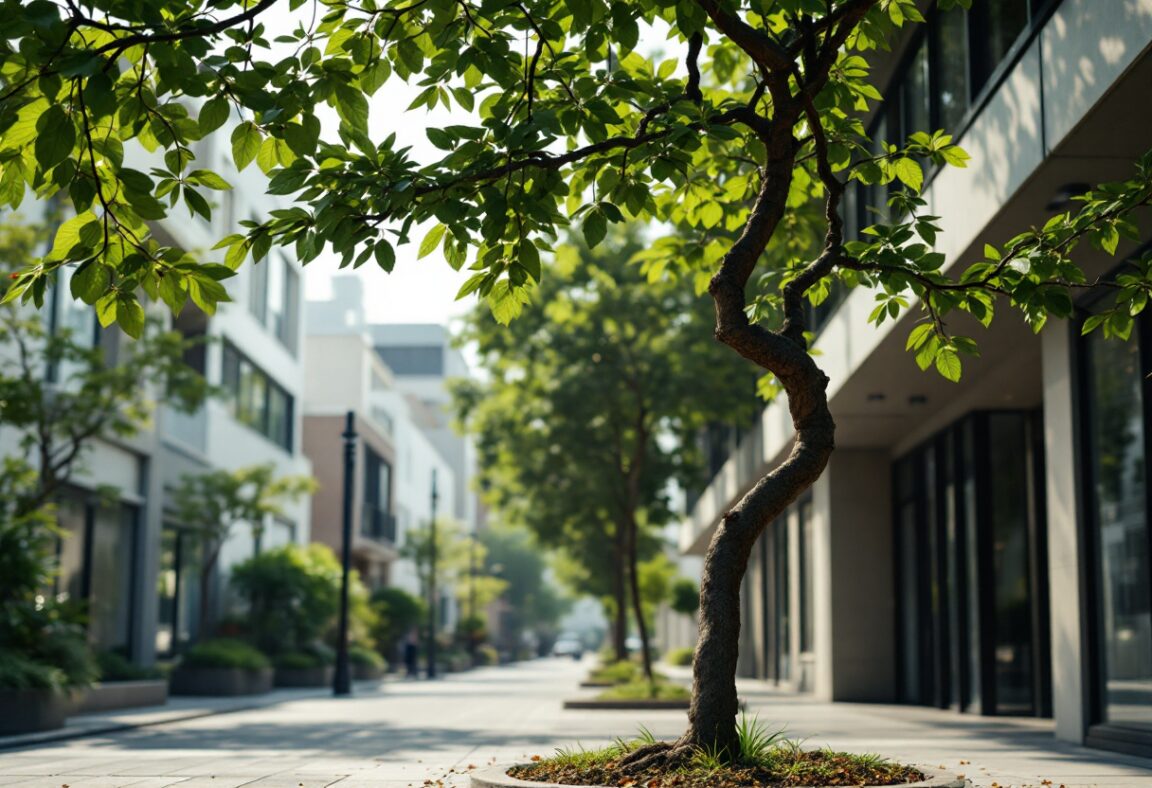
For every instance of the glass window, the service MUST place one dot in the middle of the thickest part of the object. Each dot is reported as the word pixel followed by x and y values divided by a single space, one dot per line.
pixel 806 589
pixel 1121 529
pixel 70 580
pixel 1000 24
pixel 258 290
pixel 914 94
pixel 286 323
pixel 110 607
pixel 952 68
pixel 256 399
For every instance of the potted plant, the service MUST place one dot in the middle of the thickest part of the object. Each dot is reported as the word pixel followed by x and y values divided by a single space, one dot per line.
pixel 223 666
pixel 307 667
pixel 44 659
pixel 123 684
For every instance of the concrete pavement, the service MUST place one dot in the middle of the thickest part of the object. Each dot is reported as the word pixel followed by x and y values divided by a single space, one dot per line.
pixel 431 733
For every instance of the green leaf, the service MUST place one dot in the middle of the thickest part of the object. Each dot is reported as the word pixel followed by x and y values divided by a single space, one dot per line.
pixel 213 114
pixel 530 259
pixel 431 241
pixel 209 179
pixel 595 228
pixel 385 255
pixel 129 315
pixel 909 173
pixel 352 107
pixel 55 138
pixel 948 364
pixel 246 139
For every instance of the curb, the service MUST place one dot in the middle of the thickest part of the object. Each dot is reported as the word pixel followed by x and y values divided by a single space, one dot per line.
pixel 497 777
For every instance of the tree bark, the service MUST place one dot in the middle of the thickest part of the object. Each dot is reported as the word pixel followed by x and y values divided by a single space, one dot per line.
pixel 619 588
pixel 631 529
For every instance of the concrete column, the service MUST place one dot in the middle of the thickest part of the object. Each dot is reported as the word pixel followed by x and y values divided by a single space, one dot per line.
pixel 822 574
pixel 856 644
pixel 1069 693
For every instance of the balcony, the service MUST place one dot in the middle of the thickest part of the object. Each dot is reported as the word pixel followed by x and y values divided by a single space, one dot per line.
pixel 378 524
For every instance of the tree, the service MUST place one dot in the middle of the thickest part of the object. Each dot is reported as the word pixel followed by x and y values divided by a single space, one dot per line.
pixel 397 613
pixel 60 393
pixel 454 554
pixel 213 503
pixel 533 602
pixel 685 597
pixel 573 125
pixel 593 408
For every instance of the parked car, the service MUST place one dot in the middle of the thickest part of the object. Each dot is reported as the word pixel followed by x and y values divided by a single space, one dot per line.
pixel 568 647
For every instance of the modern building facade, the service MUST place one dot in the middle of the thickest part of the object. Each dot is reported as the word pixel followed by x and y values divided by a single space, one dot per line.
pixel 136 567
pixel 348 372
pixel 980 547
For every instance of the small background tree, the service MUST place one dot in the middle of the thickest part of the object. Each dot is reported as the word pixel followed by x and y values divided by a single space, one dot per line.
pixel 212 504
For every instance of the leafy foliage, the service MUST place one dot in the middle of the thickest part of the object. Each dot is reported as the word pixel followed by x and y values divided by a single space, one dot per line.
pixel 224 653
pixel 293 595
pixel 685 597
pixel 43 643
pixel 397 613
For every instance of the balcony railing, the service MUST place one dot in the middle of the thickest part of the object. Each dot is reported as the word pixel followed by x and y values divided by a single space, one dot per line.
pixel 378 524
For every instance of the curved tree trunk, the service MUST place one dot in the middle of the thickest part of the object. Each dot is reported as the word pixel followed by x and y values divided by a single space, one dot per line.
pixel 637 601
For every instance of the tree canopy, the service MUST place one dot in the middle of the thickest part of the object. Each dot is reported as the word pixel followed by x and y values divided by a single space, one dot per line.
pixel 740 145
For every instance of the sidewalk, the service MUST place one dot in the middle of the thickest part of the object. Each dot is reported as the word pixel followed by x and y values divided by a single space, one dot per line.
pixel 178 708
pixel 423 734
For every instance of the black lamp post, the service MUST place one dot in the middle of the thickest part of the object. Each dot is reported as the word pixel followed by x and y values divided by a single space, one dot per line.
pixel 342 682
pixel 432 617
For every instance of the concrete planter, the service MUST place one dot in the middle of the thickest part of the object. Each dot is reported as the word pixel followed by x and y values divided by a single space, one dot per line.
pixel 304 677
pixel 640 704
pixel 221 681
pixel 110 695
pixel 367 672
pixel 32 710
pixel 497 777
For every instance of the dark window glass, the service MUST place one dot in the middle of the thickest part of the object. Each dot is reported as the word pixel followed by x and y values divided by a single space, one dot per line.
pixel 996 25
pixel 952 68
pixel 806 576
pixel 413 360
pixel 971 567
pixel 783 601
pixel 1012 600
pixel 1121 522
pixel 110 608
pixel 256 399
pixel 177 591
pixel 914 94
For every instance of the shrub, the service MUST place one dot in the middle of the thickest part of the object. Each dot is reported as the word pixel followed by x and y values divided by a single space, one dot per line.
pixel 680 656
pixel 293 594
pixel 487 655
pixel 114 666
pixel 299 660
pixel 643 690
pixel 224 653
pixel 44 641
pixel 685 597
pixel 361 655
pixel 617 672
pixel 398 612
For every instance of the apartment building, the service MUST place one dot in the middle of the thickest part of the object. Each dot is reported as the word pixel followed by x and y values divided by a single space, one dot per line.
pixel 400 455
pixel 980 547
pixel 134 565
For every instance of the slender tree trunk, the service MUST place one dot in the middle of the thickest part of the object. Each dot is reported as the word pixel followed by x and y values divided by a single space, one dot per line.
pixel 619 587
pixel 637 601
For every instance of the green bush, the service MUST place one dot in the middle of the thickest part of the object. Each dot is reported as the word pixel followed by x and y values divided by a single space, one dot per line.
pixel 44 641
pixel 19 672
pixel 293 594
pixel 617 672
pixel 487 655
pixel 680 656
pixel 114 666
pixel 643 690
pixel 299 660
pixel 685 597
pixel 397 613
pixel 224 653
pixel 361 655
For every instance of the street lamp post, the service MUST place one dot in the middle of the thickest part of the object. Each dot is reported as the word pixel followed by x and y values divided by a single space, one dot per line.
pixel 432 617
pixel 342 682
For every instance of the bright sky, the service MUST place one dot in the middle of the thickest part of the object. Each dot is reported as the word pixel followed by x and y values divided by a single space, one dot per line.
pixel 417 291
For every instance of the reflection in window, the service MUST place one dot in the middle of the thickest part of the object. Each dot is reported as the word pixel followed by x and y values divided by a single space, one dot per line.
pixel 952 60
pixel 256 399
pixel 1118 470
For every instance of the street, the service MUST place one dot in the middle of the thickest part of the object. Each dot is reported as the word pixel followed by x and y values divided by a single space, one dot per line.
pixel 417 733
